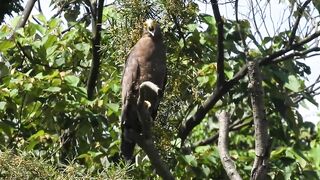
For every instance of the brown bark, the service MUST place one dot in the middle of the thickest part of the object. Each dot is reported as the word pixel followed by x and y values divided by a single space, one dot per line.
pixel 225 158
pixel 259 169
pixel 26 13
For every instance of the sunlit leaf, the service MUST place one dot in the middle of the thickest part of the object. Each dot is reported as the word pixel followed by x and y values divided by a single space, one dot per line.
pixel 293 84
pixel 72 80
pixel 2 105
pixel 53 89
pixel 5 45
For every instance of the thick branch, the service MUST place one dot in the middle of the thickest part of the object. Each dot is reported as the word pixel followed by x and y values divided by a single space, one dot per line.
pixel 220 41
pixel 225 158
pixel 149 93
pixel 26 13
pixel 187 126
pixel 96 29
pixel 259 170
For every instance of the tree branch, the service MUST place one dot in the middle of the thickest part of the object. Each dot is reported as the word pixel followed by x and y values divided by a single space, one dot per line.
pixel 148 95
pixel 225 158
pixel 311 90
pixel 296 24
pixel 60 10
pixel 187 126
pixel 259 169
pixel 243 40
pixel 96 29
pixel 39 7
pixel 220 53
pixel 291 56
pixel 26 13
pixel 214 138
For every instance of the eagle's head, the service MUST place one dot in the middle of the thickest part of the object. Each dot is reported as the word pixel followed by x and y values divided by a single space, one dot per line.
pixel 152 28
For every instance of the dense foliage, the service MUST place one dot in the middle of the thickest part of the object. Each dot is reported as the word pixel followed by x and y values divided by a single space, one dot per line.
pixel 44 108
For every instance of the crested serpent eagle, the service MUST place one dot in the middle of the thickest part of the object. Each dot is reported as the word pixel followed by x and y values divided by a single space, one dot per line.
pixel 146 62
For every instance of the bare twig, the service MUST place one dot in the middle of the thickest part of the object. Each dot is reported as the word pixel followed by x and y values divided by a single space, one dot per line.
pixel 225 158
pixel 259 170
pixel 26 13
pixel 39 7
pixel 311 90
pixel 290 56
pixel 232 127
pixel 82 19
pixel 60 10
pixel 95 64
pixel 246 49
pixel 254 21
pixel 148 94
pixel 296 24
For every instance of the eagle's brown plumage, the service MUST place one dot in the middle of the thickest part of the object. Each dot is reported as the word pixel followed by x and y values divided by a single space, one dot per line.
pixel 146 62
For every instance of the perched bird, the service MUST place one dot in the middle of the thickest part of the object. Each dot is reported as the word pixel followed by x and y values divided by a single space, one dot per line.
pixel 146 62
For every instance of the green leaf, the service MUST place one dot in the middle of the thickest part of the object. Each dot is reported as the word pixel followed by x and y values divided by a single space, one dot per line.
pixel 39 76
pixel 192 27
pixel 278 153
pixel 41 18
pixel 2 105
pixel 72 80
pixel 315 154
pixel 229 74
pixel 113 106
pixel 4 70
pixel 14 93
pixel 191 160
pixel 34 139
pixel 5 45
pixel 53 23
pixel 293 84
pixel 27 87
pixel 53 89
pixel 208 19
pixel 202 149
pixel 60 61
pixel 49 40
pixel 6 128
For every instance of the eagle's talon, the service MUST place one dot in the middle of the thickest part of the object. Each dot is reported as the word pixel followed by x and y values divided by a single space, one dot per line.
pixel 147 104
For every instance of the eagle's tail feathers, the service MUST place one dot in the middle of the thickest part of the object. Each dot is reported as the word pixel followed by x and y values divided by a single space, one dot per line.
pixel 127 149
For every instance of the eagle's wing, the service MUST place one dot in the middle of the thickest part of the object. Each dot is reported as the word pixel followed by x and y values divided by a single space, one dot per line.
pixel 129 107
pixel 130 75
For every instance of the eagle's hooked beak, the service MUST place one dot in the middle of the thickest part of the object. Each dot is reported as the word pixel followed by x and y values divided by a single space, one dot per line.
pixel 151 31
pixel 150 26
